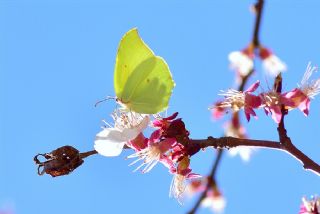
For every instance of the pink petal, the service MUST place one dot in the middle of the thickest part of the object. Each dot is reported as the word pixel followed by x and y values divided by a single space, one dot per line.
pixel 167 144
pixel 155 135
pixel 276 113
pixel 167 162
pixel 286 101
pixel 292 94
pixel 252 100
pixel 249 111
pixel 299 99
pixel 139 143
pixel 305 106
pixel 247 116
pixel 157 123
pixel 253 87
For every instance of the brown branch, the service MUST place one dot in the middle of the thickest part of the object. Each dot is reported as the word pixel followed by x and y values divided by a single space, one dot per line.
pixel 65 159
pixel 231 142
pixel 307 163
pixel 87 154
pixel 288 146
pixel 284 145
pixel 259 8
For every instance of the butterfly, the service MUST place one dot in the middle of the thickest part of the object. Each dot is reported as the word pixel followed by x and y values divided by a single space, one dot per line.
pixel 142 81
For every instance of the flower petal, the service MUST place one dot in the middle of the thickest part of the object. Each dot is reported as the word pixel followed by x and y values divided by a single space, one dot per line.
pixel 111 134
pixel 110 141
pixel 273 65
pixel 107 147
pixel 276 113
pixel 253 87
pixel 305 106
pixel 240 62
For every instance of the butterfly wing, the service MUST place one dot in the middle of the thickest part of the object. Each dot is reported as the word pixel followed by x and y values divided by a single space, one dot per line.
pixel 149 87
pixel 132 51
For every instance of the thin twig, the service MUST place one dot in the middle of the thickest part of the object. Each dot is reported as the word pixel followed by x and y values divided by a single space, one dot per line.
pixel 87 154
pixel 211 180
pixel 259 8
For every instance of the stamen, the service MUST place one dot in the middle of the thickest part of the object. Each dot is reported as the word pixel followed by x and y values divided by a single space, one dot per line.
pixel 150 157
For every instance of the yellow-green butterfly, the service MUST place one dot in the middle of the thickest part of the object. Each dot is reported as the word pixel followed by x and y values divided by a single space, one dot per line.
pixel 142 80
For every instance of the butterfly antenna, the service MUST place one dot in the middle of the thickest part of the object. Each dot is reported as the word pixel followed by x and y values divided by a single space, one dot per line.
pixel 105 99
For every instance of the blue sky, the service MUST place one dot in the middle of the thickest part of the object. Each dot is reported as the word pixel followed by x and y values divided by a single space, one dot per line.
pixel 57 59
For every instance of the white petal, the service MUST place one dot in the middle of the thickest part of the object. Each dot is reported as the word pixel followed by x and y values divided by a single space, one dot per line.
pixel 130 134
pixel 108 148
pixel 244 152
pixel 133 132
pixel 240 62
pixel 216 204
pixel 110 141
pixel 111 134
pixel 273 65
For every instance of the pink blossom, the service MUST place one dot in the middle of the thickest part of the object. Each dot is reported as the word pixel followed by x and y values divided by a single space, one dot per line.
pixel 236 100
pixel 301 97
pixel 163 145
pixel 153 153
pixel 272 103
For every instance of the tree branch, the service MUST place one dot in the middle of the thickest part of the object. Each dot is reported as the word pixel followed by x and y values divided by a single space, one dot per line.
pixel 87 154
pixel 258 8
pixel 287 146
pixel 231 142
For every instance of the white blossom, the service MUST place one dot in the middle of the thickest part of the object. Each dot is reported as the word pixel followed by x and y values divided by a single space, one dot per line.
pixel 128 125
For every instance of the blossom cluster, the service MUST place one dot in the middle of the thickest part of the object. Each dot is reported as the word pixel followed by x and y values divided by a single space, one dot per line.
pixel 271 101
pixel 243 61
pixel 167 144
